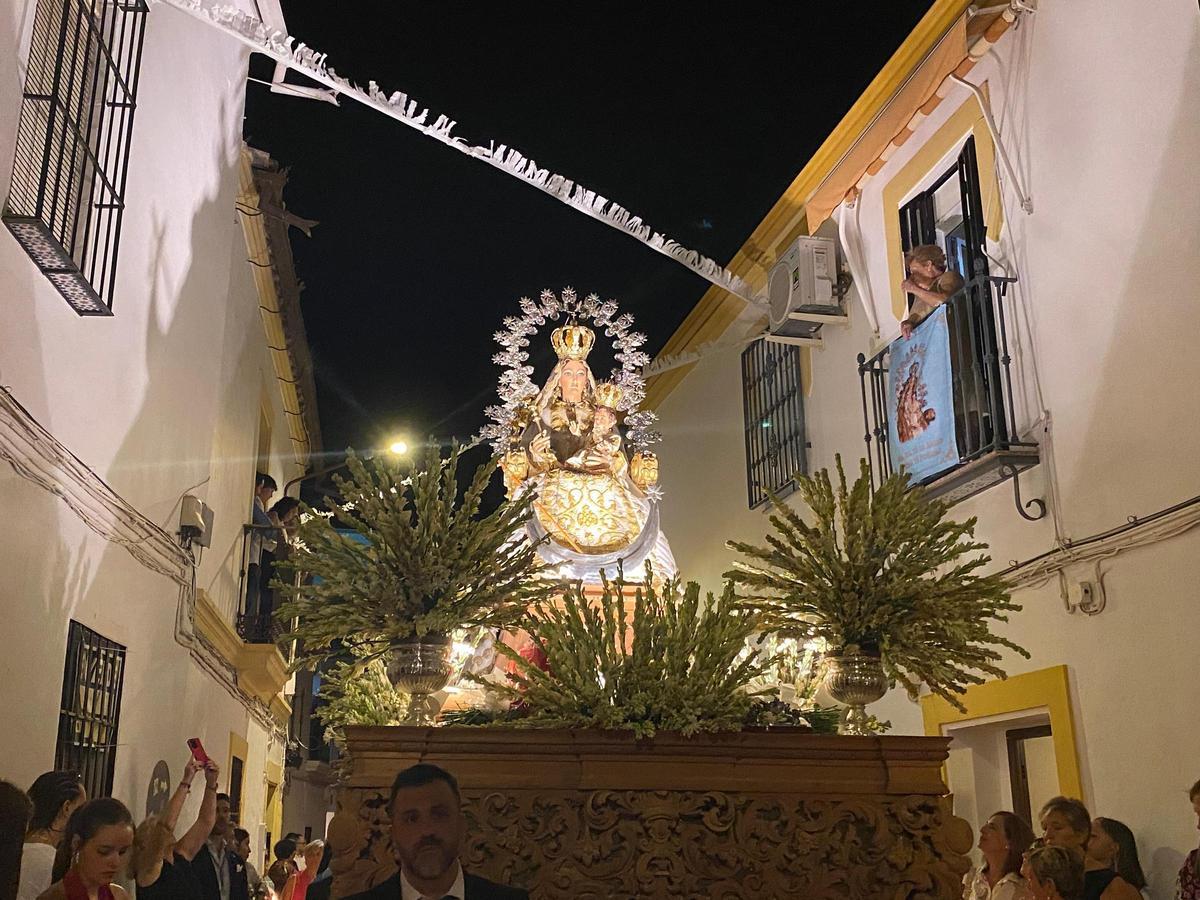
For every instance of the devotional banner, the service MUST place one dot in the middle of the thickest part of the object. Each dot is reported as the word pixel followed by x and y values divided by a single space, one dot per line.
pixel 921 400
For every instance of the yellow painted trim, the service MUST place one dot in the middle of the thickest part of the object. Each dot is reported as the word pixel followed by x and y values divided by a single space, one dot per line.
pixel 966 120
pixel 262 670
pixel 1044 688
pixel 752 261
pixel 281 709
pixel 212 623
pixel 707 322
pixel 273 814
pixel 239 747
pixel 263 271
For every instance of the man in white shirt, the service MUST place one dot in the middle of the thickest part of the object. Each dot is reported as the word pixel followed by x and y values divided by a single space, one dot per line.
pixel 428 827
pixel 221 874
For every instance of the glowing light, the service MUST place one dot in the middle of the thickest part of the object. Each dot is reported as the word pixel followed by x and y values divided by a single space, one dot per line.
pixel 399 448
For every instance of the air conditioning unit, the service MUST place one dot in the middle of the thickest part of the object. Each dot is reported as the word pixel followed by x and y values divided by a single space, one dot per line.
pixel 196 521
pixel 802 289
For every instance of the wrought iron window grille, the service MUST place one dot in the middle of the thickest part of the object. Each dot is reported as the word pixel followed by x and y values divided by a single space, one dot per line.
pixel 773 406
pixel 67 196
pixel 89 717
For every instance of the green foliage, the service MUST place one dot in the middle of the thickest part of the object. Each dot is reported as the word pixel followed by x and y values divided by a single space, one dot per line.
pixel 430 565
pixel 762 713
pixel 880 572
pixel 685 666
pixel 358 693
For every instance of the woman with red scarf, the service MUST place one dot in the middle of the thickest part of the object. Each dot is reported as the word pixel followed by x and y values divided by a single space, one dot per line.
pixel 97 840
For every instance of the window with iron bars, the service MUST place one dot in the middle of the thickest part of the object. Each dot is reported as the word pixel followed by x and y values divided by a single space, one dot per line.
pixel 91 708
pixel 773 404
pixel 67 195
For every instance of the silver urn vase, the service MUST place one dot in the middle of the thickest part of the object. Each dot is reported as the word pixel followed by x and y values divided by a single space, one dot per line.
pixel 854 681
pixel 420 667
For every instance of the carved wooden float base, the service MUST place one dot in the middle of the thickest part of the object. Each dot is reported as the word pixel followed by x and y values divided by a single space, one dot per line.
pixel 590 815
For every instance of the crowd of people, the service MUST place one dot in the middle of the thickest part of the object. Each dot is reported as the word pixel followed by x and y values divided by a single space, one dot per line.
pixel 1076 858
pixel 57 844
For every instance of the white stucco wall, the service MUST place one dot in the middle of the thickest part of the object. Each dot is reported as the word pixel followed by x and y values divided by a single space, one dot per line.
pixel 163 397
pixel 1096 102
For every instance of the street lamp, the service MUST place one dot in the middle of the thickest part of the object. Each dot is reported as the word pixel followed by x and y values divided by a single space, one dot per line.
pixel 398 447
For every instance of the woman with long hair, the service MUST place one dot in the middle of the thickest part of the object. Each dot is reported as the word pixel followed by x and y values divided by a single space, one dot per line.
pixel 55 795
pixel 1113 846
pixel 1066 822
pixel 160 863
pixel 1188 886
pixel 1003 840
pixel 92 855
pixel 15 810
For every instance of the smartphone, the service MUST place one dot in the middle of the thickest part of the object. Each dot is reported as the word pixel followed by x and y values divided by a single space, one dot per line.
pixel 197 749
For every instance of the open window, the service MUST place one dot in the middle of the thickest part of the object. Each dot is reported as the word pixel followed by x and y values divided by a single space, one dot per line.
pixel 940 404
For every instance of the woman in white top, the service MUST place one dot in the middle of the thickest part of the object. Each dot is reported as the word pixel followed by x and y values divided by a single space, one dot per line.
pixel 1003 839
pixel 55 796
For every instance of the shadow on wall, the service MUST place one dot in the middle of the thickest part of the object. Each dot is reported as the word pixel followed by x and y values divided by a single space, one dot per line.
pixel 159 456
pixel 18 308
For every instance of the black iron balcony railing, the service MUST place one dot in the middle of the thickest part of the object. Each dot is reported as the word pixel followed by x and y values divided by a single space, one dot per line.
pixel 258 598
pixel 981 382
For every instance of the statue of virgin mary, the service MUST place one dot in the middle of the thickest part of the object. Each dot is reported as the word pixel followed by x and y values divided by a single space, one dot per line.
pixel 594 506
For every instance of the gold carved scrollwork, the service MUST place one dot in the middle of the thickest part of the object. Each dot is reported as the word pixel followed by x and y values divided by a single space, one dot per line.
pixel 588 845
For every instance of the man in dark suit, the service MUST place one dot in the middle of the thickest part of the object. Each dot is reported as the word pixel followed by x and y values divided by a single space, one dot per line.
pixel 219 871
pixel 427 834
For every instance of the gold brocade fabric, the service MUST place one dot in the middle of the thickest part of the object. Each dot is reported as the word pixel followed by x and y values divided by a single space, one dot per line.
pixel 588 513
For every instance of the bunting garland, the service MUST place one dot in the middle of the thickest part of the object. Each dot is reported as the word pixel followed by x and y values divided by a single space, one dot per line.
pixel 310 63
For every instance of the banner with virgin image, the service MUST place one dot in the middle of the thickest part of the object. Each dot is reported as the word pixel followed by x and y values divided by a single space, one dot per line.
pixel 921 400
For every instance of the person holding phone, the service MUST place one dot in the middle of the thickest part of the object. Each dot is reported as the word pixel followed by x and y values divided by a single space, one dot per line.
pixel 161 864
pixel 219 871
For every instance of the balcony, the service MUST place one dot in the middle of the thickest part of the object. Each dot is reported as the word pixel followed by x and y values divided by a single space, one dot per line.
pixel 987 449
pixel 256 622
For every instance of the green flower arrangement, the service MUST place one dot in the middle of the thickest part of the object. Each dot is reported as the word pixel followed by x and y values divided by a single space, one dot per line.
pixel 424 562
pixel 880 573
pixel 358 693
pixel 678 663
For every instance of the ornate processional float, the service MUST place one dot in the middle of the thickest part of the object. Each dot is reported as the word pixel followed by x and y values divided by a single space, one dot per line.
pixel 642 762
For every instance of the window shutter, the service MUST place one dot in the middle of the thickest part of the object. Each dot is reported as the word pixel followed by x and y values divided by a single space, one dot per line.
pixel 972 210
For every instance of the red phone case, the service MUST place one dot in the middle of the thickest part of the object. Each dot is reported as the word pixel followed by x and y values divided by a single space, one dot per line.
pixel 197 750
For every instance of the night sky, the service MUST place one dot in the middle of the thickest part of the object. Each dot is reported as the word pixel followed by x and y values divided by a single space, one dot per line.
pixel 696 124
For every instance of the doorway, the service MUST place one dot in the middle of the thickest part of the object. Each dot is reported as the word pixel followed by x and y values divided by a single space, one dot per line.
pixel 1002 762
pixel 1032 769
